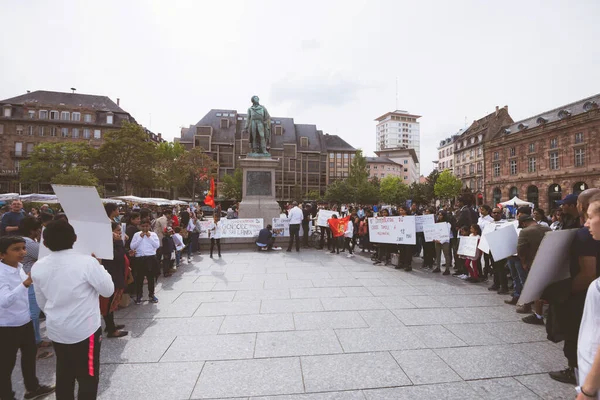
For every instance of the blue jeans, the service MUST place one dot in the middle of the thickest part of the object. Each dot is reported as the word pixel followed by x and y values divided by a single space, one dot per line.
pixel 519 275
pixel 177 257
pixel 34 310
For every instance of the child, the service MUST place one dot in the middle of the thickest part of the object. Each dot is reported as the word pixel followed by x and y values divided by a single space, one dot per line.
pixel 68 286
pixel 178 240
pixel 348 234
pixel 472 263
pixel 168 247
pixel 463 231
pixel 333 224
pixel 145 243
pixel 214 231
pixel 16 328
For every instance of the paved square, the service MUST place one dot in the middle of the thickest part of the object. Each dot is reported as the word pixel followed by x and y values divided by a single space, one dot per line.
pixel 314 326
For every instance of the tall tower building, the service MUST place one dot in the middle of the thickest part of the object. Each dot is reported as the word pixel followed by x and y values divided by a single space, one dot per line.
pixel 399 129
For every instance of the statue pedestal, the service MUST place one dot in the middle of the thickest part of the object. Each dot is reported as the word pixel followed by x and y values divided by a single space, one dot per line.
pixel 258 189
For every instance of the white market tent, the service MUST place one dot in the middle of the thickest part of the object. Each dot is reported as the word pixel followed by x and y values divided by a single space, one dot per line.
pixel 516 202
pixel 8 196
pixel 40 198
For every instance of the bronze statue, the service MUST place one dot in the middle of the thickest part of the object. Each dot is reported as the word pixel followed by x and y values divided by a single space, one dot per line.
pixel 258 125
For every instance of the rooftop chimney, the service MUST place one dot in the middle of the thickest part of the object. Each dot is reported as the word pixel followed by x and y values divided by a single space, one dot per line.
pixel 159 134
pixel 73 90
pixel 497 108
pixel 119 102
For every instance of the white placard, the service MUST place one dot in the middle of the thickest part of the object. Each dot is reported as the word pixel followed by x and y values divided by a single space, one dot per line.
pixel 85 211
pixel 123 229
pixel 324 215
pixel 241 228
pixel 421 220
pixel 204 229
pixel 439 231
pixel 281 227
pixel 467 246
pixel 503 242
pixel 488 228
pixel 550 264
pixel 393 230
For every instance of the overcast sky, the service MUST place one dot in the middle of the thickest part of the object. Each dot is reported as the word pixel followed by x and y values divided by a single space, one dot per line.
pixel 329 63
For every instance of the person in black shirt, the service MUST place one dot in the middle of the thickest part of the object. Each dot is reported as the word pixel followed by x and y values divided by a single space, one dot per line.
pixel 265 238
pixel 305 222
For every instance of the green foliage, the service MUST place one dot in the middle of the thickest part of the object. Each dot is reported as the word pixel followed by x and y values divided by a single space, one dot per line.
pixel 231 188
pixel 197 168
pixel 447 186
pixel 78 176
pixel 168 173
pixel 392 191
pixel 418 193
pixel 51 159
pixel 312 195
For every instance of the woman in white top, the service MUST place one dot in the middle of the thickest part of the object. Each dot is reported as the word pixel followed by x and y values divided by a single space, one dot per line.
pixel 443 246
pixel 540 217
pixel 215 232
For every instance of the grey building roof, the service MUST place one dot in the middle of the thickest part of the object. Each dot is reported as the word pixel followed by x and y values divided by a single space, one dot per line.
pixel 44 97
pixel 394 152
pixel 379 160
pixel 336 143
pixel 572 109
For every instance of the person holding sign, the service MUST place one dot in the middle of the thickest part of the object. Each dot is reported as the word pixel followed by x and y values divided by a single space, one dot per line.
pixel 405 250
pixel 338 227
pixel 500 284
pixel 428 247
pixel 215 231
pixel 472 263
pixel 443 246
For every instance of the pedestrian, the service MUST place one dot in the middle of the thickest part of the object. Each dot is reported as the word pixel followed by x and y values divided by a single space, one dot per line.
pixel 406 251
pixel 295 216
pixel 428 247
pixel 16 328
pixel 305 224
pixel 117 268
pixel 215 231
pixel 9 224
pixel 179 246
pixel 265 240
pixel 145 244
pixel 168 250
pixel 443 245
pixel 348 234
pixel 472 263
pixel 67 287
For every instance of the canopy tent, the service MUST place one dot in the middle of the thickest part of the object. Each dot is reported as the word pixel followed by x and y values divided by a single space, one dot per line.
pixel 40 198
pixel 516 202
pixel 8 196
pixel 149 200
pixel 116 201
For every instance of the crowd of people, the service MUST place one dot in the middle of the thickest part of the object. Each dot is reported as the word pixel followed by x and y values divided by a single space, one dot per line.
pixel 73 292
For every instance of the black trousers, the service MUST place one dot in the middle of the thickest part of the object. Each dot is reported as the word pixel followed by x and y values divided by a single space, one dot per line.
pixel 405 255
pixel 167 263
pixel 109 319
pixel 78 362
pixel 146 267
pixel 500 278
pixel 429 254
pixel 348 244
pixel 325 232
pixel 305 233
pixel 335 248
pixel 13 339
pixel 294 233
pixel 212 246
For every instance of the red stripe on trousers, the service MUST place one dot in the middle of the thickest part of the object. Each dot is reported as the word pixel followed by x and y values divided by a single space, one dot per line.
pixel 91 355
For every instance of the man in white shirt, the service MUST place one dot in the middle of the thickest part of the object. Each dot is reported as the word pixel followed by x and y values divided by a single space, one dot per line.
pixel 295 216
pixel 145 243
pixel 16 328
pixel 67 288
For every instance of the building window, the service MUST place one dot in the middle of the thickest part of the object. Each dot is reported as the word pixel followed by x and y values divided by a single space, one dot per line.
pixel 464 170
pixel 512 152
pixel 497 170
pixel 579 137
pixel 531 147
pixel 17 165
pixel 479 167
pixel 86 133
pixel 87 117
pixel 30 130
pixel 471 154
pixel 513 167
pixel 553 143
pixel 18 149
pixel 97 134
pixel 43 114
pixel 278 130
pixel 405 177
pixel 7 111
pixel 471 168
pixel 53 131
pixel 31 114
pixel 579 157
pixel 65 115
pixel 224 123
pixel 64 132
pixel 76 116
pixel 75 132
pixel 109 119
pixel 53 114
pixel 496 156
pixel 479 151
pixel 532 166
pixel 554 160
pixel 41 130
pixel 405 161
pixel 19 130
pixel 338 156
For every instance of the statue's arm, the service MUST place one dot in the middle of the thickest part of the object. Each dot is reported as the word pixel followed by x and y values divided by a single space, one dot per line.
pixel 247 124
pixel 268 121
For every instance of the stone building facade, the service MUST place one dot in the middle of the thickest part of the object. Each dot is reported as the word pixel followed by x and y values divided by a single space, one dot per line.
pixel 49 117
pixel 309 160
pixel 406 159
pixel 469 156
pixel 545 157
pixel 445 159
pixel 380 167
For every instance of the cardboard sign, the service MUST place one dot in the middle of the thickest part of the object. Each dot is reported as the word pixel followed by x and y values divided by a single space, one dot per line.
pixel 439 231
pixel 550 265
pixel 241 228
pixel 467 246
pixel 281 227
pixel 123 229
pixel 422 220
pixel 86 214
pixel 393 230
pixel 503 242
pixel 204 229
pixel 488 228
pixel 324 215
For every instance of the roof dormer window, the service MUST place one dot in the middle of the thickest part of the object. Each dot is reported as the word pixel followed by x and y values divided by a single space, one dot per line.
pixel 562 114
pixel 541 121
pixel 506 131
pixel 522 126
pixel 590 105
pixel 7 111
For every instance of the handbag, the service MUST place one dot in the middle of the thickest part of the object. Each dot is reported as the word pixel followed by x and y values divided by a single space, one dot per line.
pixel 173 255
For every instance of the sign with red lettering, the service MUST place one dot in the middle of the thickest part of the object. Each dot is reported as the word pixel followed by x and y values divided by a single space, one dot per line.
pixel 393 230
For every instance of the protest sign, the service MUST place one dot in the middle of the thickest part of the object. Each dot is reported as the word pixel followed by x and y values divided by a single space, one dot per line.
pixel 503 242
pixel 324 215
pixel 393 230
pixel 123 229
pixel 241 228
pixel 281 227
pixel 551 264
pixel 85 211
pixel 204 229
pixel 467 246
pixel 422 220
pixel 488 228
pixel 439 231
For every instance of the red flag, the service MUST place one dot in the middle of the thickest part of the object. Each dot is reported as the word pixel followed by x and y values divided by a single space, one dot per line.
pixel 209 200
pixel 338 226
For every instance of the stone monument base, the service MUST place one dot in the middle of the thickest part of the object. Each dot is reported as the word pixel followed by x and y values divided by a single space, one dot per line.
pixel 258 190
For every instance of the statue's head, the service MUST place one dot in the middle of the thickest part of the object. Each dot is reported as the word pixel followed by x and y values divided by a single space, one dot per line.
pixel 254 99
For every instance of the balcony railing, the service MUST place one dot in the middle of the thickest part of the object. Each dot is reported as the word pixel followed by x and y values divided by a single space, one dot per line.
pixel 20 154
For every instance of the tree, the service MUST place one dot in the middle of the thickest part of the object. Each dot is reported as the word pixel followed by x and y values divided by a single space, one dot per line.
pixel 128 158
pixel 313 195
pixel 168 173
pixel 78 176
pixel 51 159
pixel 360 190
pixel 198 168
pixel 418 193
pixel 447 185
pixel 231 188
pixel 338 192
pixel 392 190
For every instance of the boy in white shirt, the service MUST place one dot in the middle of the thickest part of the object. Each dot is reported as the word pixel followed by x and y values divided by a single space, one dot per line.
pixel 145 243
pixel 67 288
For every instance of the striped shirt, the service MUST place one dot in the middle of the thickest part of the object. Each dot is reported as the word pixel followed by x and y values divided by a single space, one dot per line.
pixel 33 249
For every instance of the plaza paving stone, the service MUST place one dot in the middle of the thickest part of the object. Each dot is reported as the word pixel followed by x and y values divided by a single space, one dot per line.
pixel 315 326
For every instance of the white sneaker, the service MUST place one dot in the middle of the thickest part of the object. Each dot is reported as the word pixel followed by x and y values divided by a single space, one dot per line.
pixel 463 277
pixel 276 248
